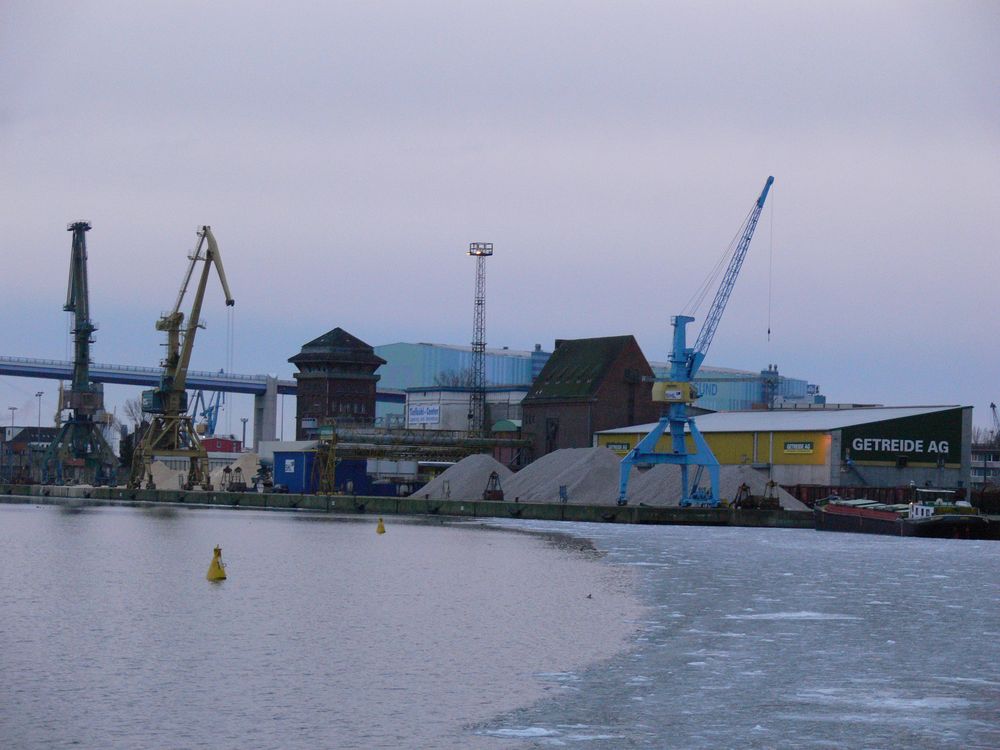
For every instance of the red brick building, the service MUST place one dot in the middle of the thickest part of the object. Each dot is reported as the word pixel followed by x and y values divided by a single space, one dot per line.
pixel 586 386
pixel 336 381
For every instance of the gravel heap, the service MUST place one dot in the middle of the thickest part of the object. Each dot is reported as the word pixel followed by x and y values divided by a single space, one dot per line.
pixel 164 477
pixel 592 475
pixel 661 485
pixel 467 479
pixel 247 462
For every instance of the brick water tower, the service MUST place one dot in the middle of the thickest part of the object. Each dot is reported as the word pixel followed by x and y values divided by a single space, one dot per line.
pixel 336 382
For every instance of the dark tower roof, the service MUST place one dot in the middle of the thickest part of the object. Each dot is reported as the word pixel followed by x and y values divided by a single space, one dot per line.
pixel 338 346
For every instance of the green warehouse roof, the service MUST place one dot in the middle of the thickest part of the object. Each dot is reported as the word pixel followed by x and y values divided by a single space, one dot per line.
pixel 577 368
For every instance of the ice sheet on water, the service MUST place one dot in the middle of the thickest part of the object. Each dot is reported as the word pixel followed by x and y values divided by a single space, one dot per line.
pixel 704 652
pixel 522 733
pixel 853 690
pixel 591 737
pixel 968 681
pixel 793 616
pixel 558 676
pixel 883 700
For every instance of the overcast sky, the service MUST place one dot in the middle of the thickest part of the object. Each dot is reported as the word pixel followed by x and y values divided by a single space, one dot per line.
pixel 345 155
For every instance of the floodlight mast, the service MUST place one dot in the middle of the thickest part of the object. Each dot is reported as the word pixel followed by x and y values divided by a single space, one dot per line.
pixel 679 391
pixel 477 398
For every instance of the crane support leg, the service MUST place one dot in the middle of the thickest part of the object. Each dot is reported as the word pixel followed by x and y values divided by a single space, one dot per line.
pixel 645 454
pixel 703 458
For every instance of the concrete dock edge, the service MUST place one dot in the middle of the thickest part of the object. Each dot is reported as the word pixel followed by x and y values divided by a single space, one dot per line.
pixel 410 506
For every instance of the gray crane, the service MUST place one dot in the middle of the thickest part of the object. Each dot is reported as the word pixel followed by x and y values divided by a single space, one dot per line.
pixel 80 454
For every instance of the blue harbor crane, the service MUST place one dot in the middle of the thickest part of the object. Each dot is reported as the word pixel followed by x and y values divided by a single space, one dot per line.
pixel 208 409
pixel 171 431
pixel 80 454
pixel 678 391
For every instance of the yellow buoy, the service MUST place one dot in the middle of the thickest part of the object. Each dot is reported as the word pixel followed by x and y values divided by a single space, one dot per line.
pixel 380 529
pixel 217 568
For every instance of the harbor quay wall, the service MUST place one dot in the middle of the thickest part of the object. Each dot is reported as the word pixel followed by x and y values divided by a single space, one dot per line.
pixel 410 506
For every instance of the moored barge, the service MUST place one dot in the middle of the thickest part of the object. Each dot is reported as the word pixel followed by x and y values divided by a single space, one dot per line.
pixel 937 519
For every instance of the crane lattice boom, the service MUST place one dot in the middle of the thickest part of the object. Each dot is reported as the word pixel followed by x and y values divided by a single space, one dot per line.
pixel 725 289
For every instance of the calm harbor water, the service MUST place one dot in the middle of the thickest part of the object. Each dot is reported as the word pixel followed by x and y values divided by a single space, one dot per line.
pixel 327 635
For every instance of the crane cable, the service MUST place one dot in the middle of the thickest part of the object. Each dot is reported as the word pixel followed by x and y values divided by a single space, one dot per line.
pixel 230 337
pixel 770 267
pixel 698 298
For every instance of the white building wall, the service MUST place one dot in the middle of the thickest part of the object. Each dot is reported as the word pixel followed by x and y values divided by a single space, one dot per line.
pixel 452 407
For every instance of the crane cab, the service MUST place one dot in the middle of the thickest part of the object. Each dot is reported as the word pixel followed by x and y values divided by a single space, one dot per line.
pixel 672 392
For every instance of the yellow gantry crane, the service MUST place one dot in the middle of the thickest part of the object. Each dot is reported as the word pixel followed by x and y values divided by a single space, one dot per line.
pixel 171 431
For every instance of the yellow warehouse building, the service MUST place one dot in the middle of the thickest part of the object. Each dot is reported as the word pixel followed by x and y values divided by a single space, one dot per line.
pixel 866 446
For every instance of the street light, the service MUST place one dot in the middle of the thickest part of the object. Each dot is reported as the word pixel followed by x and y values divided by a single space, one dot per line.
pixel 244 421
pixel 38 395
pixel 12 410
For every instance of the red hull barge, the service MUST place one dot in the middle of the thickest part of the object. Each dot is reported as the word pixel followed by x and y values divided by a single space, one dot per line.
pixel 864 517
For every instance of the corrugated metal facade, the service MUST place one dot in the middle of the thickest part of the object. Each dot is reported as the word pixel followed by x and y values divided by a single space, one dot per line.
pixel 724 389
pixel 420 365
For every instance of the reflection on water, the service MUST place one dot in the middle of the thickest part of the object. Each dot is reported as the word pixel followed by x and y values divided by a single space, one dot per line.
pixel 324 635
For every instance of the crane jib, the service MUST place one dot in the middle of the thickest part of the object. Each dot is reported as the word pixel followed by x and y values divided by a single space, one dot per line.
pixel 722 295
pixel 763 193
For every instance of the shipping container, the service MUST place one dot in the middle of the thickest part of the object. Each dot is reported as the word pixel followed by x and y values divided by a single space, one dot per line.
pixel 294 471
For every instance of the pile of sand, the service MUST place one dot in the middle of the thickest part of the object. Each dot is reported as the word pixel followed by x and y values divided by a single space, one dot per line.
pixel 247 463
pixel 591 477
pixel 661 485
pixel 164 477
pixel 466 480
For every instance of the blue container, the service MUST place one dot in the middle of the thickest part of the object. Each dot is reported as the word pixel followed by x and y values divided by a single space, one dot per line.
pixel 294 470
pixel 351 477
